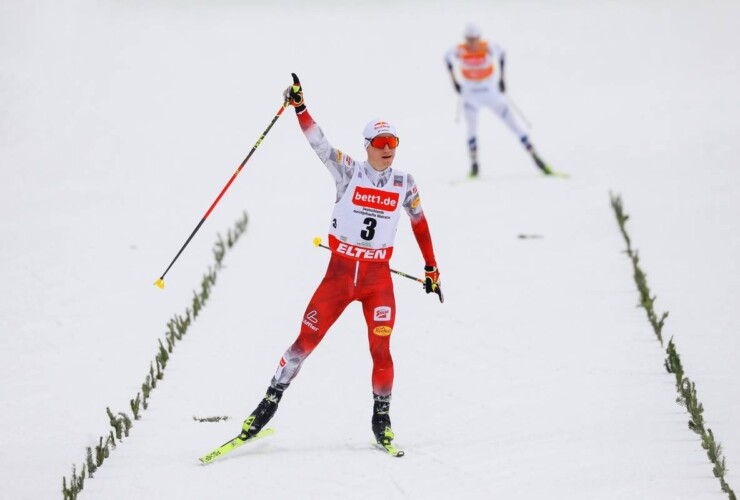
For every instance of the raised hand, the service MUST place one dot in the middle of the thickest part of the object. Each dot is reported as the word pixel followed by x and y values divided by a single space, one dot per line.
pixel 294 94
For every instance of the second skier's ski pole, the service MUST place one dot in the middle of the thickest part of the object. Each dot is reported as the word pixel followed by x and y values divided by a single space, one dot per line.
pixel 518 111
pixel 160 282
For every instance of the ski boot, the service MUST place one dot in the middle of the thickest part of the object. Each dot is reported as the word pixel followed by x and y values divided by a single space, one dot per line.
pixel 381 421
pixel 541 164
pixel 474 170
pixel 263 413
pixel 473 149
pixel 381 424
pixel 537 160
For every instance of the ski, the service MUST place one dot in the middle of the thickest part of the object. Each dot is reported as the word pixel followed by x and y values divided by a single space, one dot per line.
pixel 232 445
pixel 561 175
pixel 390 449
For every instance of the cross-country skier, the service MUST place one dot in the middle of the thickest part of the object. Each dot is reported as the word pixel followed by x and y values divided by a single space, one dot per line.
pixel 370 197
pixel 481 67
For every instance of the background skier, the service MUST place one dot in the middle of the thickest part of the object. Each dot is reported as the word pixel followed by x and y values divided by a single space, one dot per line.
pixel 481 67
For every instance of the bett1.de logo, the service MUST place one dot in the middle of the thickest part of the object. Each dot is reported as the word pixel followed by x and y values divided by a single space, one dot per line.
pixel 375 198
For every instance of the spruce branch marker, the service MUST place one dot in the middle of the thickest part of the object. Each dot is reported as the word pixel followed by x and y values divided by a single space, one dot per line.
pixel 684 386
pixel 120 423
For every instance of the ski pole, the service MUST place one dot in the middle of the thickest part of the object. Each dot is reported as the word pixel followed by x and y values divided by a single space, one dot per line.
pixel 160 282
pixel 518 111
pixel 317 242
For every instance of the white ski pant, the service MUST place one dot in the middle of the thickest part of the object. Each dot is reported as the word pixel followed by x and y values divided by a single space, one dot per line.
pixel 490 97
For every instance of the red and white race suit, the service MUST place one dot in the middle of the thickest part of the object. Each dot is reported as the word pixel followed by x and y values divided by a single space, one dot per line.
pixel 361 236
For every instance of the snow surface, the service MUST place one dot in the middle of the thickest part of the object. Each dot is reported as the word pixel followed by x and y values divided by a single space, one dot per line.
pixel 538 378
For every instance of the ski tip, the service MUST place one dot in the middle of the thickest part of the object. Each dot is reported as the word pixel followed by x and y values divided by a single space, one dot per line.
pixel 389 449
pixel 553 173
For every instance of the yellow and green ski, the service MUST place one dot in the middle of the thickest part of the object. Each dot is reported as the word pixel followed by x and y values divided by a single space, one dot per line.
pixel 235 443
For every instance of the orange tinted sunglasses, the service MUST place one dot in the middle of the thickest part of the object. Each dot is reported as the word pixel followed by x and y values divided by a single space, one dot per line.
pixel 381 142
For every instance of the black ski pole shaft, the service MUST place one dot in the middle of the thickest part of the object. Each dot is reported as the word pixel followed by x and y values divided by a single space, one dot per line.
pixel 518 111
pixel 317 242
pixel 160 282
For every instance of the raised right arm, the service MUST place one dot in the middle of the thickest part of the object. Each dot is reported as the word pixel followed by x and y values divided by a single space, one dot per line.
pixel 340 166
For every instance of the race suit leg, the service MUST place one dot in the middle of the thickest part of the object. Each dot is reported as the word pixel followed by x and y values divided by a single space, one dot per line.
pixel 332 296
pixel 497 102
pixel 471 107
pixel 379 307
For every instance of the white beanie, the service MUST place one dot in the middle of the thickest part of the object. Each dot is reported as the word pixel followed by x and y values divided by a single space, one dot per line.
pixel 472 31
pixel 376 127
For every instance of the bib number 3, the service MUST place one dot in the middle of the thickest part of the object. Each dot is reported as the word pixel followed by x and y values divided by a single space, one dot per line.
pixel 369 232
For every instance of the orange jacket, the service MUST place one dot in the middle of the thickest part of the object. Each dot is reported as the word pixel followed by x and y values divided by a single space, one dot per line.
pixel 475 65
